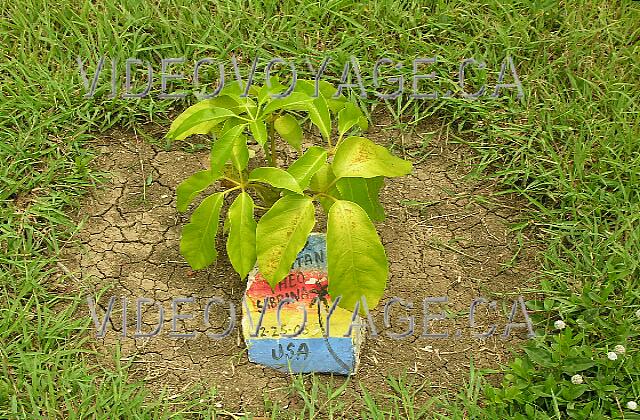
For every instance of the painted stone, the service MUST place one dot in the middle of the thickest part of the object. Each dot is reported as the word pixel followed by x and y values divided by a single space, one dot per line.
pixel 299 342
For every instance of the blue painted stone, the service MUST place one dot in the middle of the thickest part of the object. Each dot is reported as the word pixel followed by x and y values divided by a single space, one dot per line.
pixel 304 355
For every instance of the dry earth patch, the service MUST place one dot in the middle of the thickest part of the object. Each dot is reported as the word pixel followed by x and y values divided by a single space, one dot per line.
pixel 444 236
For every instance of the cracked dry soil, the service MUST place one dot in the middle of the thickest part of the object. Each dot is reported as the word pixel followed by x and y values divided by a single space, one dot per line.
pixel 456 243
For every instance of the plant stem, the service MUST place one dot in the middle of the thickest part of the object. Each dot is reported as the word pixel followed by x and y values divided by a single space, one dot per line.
pixel 233 189
pixel 332 184
pixel 272 139
pixel 332 151
pixel 231 180
pixel 324 195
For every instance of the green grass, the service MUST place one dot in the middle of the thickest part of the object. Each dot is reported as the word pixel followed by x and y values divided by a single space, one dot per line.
pixel 571 148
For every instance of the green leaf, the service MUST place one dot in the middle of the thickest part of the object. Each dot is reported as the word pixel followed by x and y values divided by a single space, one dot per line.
pixel 198 242
pixel 572 365
pixel 243 104
pixel 364 192
pixel 198 119
pixel 259 131
pixel 320 116
pixel 205 127
pixel 323 181
pixel 275 177
pixel 226 225
pixel 297 101
pixel 308 87
pixel 306 166
pixel 265 91
pixel 220 129
pixel 240 153
pixel 191 187
pixel 540 356
pixel 348 117
pixel 241 243
pixel 289 129
pixel 572 392
pixel 326 90
pixel 281 234
pixel 363 123
pixel 361 158
pixel 357 264
pixel 222 148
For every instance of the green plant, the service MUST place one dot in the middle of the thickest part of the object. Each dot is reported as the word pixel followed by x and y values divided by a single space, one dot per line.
pixel 571 151
pixel 344 177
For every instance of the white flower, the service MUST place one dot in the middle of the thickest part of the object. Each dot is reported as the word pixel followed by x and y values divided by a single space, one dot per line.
pixel 559 324
pixel 576 379
pixel 612 355
pixel 619 349
pixel 632 405
pixel 638 313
